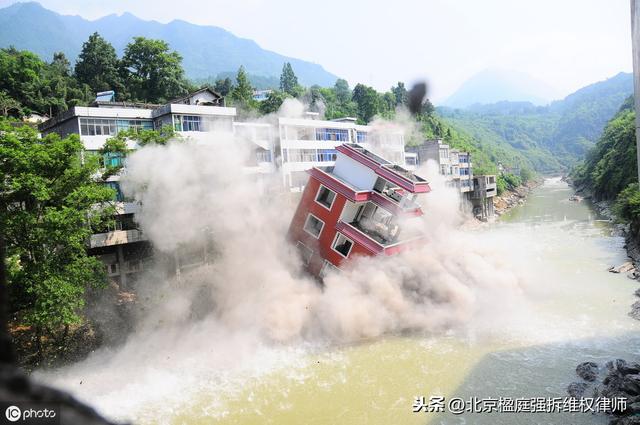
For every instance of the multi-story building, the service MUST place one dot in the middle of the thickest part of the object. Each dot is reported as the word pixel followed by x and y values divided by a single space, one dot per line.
pixel 454 165
pixel 296 145
pixel 354 208
pixel 484 190
pixel 199 117
pixel 308 143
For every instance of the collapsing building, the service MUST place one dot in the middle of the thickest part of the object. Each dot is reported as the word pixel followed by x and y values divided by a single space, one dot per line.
pixel 364 205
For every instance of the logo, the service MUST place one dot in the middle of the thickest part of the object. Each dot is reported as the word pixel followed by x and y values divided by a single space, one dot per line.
pixel 13 413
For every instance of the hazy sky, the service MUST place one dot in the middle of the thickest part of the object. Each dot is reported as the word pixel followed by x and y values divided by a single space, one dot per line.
pixel 565 43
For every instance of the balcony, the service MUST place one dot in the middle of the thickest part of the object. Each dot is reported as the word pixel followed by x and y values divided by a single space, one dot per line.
pixel 116 237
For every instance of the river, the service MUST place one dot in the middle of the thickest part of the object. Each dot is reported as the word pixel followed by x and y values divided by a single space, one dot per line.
pixel 579 313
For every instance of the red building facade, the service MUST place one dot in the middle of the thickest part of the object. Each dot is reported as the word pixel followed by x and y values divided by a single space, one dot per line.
pixel 360 206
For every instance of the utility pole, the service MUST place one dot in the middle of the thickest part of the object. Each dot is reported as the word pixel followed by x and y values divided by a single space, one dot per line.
pixel 635 40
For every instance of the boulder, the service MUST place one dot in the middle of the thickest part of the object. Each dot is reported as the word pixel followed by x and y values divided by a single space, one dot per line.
pixel 577 389
pixel 635 310
pixel 625 267
pixel 587 371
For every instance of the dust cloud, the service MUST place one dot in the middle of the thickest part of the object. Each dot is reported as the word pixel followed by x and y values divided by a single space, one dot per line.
pixel 253 299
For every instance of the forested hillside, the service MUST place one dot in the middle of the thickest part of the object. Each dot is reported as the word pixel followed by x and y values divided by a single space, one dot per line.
pixel 554 137
pixel 207 50
pixel 611 165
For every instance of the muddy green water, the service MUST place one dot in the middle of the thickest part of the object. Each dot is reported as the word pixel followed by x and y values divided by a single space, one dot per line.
pixel 580 314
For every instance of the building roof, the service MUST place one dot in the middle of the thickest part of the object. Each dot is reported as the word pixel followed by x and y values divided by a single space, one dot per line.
pixel 182 99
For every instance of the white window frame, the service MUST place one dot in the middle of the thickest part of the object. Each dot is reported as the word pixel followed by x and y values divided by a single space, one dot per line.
pixel 327 265
pixel 307 221
pixel 300 246
pixel 335 195
pixel 333 244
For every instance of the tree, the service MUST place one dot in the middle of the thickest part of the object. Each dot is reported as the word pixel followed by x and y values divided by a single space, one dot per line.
pixel 242 94
pixel 8 104
pixel 223 87
pixel 97 65
pixel 289 81
pixel 273 102
pixel 341 88
pixel 367 102
pixel 400 93
pixel 48 200
pixel 22 74
pixel 153 72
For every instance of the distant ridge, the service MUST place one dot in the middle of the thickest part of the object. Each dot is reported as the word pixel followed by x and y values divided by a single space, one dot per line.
pixel 206 50
pixel 492 85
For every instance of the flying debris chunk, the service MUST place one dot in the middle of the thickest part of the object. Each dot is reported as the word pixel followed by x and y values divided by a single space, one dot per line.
pixel 417 96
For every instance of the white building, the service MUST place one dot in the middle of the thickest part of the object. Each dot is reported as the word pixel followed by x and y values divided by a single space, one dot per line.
pixel 307 143
pixel 456 166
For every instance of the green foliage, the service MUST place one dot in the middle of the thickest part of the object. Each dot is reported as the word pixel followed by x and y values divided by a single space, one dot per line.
pixel 273 102
pixel 8 105
pixel 98 65
pixel 47 207
pixel 627 205
pixel 400 93
pixel 553 138
pixel 289 81
pixel 242 94
pixel 611 165
pixel 367 102
pixel 258 82
pixel 508 182
pixel 223 86
pixel 152 72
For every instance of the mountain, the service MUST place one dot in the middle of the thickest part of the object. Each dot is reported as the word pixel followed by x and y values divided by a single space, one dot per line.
pixel 492 85
pixel 553 137
pixel 206 50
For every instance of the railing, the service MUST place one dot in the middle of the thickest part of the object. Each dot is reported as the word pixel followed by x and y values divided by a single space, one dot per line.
pixel 116 237
pixel 395 206
pixel 360 237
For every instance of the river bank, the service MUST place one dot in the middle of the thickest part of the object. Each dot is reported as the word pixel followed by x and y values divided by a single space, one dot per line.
pixel 511 198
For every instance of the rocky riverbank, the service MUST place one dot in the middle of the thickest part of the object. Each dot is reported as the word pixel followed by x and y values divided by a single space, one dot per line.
pixel 512 198
pixel 614 380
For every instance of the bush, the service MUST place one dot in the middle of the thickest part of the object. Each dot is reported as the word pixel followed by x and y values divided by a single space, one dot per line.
pixel 627 205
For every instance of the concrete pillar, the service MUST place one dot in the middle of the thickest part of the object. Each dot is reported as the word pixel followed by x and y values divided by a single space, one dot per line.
pixel 122 267
pixel 635 40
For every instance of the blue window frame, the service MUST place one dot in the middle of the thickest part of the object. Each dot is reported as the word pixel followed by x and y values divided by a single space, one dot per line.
pixel 361 136
pixel 325 155
pixel 116 187
pixel 332 134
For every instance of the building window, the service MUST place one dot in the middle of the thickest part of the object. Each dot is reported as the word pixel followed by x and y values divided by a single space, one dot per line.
pixel 116 187
pixel 332 134
pixel 263 155
pixel 327 268
pixel 305 253
pixel 313 226
pixel 326 155
pixel 411 160
pixel 135 125
pixel 342 245
pixel 113 159
pixel 464 171
pixel 97 127
pixel 361 137
pixel 325 197
pixel 186 123
pixel 302 155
